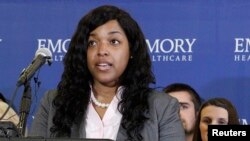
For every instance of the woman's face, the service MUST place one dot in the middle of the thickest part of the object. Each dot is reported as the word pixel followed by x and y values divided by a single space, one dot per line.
pixel 212 115
pixel 107 53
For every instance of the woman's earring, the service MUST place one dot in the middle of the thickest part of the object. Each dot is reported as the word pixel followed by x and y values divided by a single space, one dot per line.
pixel 131 57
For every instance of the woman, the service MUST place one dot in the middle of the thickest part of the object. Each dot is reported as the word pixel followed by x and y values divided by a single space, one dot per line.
pixel 104 91
pixel 216 111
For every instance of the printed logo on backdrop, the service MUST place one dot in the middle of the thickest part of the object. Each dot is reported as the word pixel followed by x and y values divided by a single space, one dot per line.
pixel 161 50
pixel 1 41
pixel 241 51
pixel 243 121
pixel 58 47
pixel 171 50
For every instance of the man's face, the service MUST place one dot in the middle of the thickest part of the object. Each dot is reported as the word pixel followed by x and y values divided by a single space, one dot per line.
pixel 187 110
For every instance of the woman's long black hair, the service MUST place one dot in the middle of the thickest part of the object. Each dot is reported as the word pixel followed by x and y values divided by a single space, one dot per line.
pixel 74 91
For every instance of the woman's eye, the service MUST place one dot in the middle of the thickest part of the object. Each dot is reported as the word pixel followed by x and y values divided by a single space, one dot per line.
pixel 207 121
pixel 91 43
pixel 115 42
pixel 222 122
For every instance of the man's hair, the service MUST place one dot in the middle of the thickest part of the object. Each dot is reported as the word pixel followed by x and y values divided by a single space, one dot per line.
pixel 176 87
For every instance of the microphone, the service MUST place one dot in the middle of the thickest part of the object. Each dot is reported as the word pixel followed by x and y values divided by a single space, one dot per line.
pixel 42 56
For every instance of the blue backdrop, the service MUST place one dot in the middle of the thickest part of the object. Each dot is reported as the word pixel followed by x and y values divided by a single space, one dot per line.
pixel 202 43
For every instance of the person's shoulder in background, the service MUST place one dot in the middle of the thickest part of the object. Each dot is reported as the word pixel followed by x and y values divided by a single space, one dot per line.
pixel 11 115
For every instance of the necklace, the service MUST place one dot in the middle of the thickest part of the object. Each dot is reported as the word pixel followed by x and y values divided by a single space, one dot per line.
pixel 99 104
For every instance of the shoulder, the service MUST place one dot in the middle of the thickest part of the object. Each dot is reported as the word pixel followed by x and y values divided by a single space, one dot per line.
pixel 161 98
pixel 49 96
pixel 161 103
pixel 11 115
pixel 164 117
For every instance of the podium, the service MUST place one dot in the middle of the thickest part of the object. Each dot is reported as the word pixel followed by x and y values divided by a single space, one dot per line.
pixel 9 132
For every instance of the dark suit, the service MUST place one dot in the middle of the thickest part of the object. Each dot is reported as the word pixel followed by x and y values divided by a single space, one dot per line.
pixel 164 123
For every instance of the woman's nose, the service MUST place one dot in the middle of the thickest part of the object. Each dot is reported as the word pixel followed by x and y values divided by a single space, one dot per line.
pixel 103 50
pixel 214 123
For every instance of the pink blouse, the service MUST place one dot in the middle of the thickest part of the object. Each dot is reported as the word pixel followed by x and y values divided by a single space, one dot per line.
pixel 106 128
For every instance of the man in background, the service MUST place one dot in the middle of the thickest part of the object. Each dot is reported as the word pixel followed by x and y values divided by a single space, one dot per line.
pixel 190 103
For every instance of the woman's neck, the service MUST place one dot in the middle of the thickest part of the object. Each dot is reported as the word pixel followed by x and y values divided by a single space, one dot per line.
pixel 104 93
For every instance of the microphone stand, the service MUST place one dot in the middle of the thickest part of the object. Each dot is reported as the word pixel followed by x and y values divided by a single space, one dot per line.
pixel 24 108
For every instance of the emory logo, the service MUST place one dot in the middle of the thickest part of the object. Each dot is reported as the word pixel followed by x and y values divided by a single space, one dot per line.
pixel 171 49
pixel 57 47
pixel 241 50
pixel 160 50
pixel 243 121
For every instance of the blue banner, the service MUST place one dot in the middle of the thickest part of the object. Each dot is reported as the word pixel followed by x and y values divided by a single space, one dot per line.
pixel 205 44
